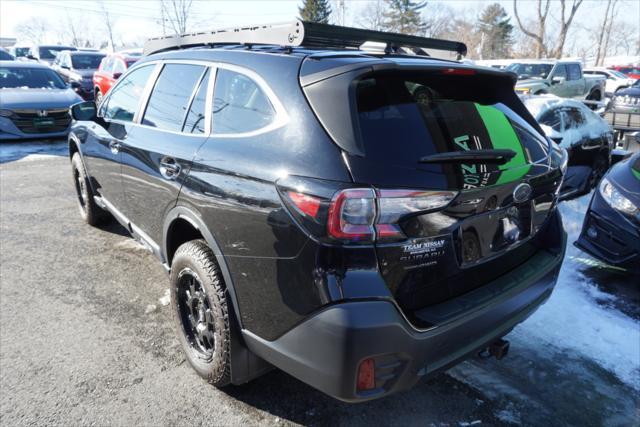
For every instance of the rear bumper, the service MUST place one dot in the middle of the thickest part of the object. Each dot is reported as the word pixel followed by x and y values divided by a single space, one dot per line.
pixel 326 349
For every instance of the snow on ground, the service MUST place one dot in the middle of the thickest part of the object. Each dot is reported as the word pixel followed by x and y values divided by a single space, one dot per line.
pixel 11 151
pixel 578 317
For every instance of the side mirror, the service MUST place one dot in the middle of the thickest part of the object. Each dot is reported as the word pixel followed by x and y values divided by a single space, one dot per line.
pixel 65 66
pixel 116 76
pixel 557 80
pixel 30 56
pixel 84 111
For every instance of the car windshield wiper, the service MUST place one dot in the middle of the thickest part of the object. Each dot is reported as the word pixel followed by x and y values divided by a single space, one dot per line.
pixel 471 156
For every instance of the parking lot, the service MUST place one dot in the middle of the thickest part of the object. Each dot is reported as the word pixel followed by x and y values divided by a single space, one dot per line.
pixel 85 337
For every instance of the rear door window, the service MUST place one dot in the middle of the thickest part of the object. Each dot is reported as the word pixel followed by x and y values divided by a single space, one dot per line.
pixel 239 104
pixel 402 119
pixel 170 97
pixel 573 72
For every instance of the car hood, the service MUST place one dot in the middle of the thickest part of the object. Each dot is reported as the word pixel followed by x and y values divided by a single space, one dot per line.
pixel 630 91
pixel 37 98
pixel 529 82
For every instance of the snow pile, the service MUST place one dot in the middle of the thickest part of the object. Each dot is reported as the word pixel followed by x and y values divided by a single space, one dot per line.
pixel 593 127
pixel 575 319
pixel 10 151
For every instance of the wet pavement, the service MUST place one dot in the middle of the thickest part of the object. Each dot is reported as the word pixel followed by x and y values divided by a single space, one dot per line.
pixel 85 337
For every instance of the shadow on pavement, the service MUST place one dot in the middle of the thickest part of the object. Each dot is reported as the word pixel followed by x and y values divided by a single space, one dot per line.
pixel 12 151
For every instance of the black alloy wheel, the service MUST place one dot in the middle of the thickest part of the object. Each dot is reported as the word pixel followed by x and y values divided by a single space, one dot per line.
pixel 196 314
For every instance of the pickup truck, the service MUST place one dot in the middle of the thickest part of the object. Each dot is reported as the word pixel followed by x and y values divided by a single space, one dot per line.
pixel 561 78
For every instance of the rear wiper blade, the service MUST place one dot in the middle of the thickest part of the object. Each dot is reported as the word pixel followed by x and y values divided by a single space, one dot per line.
pixel 471 156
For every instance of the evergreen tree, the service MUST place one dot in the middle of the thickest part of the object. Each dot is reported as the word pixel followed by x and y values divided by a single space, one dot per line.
pixel 496 32
pixel 403 16
pixel 315 11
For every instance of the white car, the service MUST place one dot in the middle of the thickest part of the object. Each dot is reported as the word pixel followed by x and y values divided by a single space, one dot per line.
pixel 615 79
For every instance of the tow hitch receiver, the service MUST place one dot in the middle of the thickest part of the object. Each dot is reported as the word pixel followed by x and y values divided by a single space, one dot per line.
pixel 497 349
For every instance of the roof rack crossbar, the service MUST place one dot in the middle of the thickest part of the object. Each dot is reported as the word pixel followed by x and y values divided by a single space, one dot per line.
pixel 300 33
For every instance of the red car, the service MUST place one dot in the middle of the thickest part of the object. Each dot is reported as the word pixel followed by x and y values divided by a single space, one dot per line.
pixel 630 70
pixel 111 68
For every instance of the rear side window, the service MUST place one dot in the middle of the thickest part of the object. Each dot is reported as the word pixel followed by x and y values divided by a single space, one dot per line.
pixel 403 118
pixel 124 98
pixel 239 104
pixel 118 66
pixel 170 97
pixel 574 72
pixel 195 121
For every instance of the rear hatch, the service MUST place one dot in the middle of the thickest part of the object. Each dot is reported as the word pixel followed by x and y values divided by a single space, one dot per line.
pixel 410 127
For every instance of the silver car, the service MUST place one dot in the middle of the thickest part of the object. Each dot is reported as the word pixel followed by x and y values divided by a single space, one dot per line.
pixel 34 101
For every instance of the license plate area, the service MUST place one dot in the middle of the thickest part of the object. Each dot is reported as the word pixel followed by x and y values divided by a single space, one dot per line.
pixel 487 235
pixel 43 121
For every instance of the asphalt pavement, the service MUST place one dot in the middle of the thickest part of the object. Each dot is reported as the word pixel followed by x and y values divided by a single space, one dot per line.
pixel 86 338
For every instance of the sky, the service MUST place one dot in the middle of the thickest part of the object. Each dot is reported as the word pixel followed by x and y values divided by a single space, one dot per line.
pixel 136 20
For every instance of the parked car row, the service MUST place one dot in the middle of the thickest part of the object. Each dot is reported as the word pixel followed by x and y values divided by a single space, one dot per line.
pixel 36 92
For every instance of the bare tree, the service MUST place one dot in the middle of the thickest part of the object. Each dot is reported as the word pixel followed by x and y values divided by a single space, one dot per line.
pixel 604 35
pixel 108 22
pixel 372 17
pixel 177 13
pixel 539 35
pixel 76 30
pixel 565 25
pixel 34 29
pixel 438 18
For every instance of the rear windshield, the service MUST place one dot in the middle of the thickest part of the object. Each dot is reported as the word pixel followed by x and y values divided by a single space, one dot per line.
pixel 404 117
pixel 86 62
pixel 50 52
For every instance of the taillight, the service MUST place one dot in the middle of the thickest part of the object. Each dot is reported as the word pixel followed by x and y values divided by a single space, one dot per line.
pixel 352 214
pixel 356 215
pixel 367 215
pixel 307 205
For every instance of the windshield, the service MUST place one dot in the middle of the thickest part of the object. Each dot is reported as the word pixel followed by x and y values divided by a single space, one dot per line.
pixel 33 78
pixel 530 71
pixel 630 70
pixel 21 51
pixel 86 62
pixel 619 74
pixel 403 118
pixel 50 52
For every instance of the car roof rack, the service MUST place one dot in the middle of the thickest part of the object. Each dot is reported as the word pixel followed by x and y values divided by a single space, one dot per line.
pixel 308 34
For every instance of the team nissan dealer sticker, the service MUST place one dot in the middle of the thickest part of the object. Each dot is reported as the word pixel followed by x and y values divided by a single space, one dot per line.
pixel 424 253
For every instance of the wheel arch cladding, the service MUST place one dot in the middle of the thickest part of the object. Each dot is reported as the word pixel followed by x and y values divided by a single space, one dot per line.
pixel 180 223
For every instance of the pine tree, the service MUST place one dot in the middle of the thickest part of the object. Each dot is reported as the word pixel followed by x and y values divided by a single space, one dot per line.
pixel 315 11
pixel 404 17
pixel 496 30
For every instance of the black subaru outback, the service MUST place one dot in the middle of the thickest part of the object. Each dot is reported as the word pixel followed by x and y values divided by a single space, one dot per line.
pixel 358 218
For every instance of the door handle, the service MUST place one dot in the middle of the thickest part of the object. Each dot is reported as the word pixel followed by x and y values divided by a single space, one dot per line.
pixel 114 146
pixel 169 168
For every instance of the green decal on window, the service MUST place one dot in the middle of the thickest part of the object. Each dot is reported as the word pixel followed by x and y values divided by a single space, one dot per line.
pixel 503 136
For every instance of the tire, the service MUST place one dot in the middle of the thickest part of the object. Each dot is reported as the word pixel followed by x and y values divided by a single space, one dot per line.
pixel 99 97
pixel 90 212
pixel 198 290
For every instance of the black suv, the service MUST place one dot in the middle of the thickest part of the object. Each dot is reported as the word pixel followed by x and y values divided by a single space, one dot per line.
pixel 359 219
